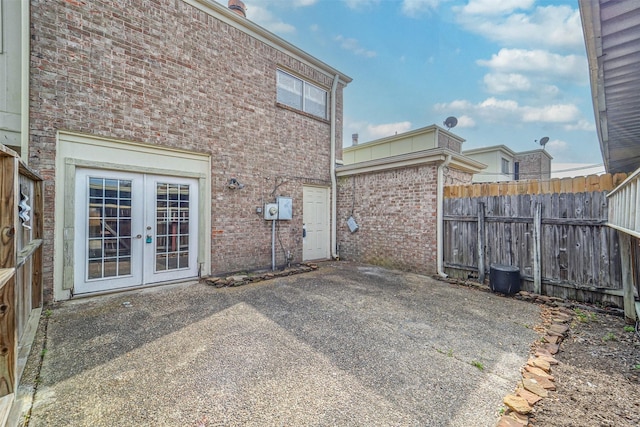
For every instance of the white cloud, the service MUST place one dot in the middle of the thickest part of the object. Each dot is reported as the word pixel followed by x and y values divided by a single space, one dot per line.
pixel 494 104
pixel 417 7
pixel 458 105
pixel 303 3
pixel 387 129
pixel 503 83
pixel 352 45
pixel 556 146
pixel 559 113
pixel 538 62
pixel 550 91
pixel 505 111
pixel 545 26
pixel 581 125
pixel 268 20
pixel 360 4
pixel 466 122
pixel 493 7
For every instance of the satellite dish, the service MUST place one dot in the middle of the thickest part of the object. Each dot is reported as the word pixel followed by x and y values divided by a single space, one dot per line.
pixel 450 122
pixel 543 141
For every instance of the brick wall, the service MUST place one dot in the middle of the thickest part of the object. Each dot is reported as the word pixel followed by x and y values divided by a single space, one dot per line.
pixel 445 141
pixel 396 212
pixel 162 72
pixel 534 165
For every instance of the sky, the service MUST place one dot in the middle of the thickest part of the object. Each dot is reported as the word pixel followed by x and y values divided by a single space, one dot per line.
pixel 511 71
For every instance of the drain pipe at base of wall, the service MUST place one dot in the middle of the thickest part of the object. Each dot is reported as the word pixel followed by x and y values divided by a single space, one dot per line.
pixel 440 217
pixel 334 185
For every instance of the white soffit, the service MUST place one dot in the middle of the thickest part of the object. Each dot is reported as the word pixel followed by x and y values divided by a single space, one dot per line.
pixel 612 36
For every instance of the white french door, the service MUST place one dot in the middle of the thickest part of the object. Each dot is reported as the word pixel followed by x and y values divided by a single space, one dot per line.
pixel 133 229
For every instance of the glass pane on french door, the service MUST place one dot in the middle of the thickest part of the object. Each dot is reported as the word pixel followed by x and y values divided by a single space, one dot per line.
pixel 172 226
pixel 109 234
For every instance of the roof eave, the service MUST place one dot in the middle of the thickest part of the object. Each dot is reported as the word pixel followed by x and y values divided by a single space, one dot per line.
pixel 591 26
pixel 436 155
pixel 230 17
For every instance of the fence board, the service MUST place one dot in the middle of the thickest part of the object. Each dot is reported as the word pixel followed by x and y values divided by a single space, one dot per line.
pixel 579 255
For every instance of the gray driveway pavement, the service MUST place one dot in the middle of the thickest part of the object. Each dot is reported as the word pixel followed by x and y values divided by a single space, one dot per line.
pixel 348 344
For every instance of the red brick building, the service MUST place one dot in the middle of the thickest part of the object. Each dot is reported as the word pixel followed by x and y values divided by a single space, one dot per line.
pixel 392 189
pixel 162 129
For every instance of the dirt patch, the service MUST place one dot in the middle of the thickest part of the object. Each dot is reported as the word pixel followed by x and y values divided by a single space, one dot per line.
pixel 598 377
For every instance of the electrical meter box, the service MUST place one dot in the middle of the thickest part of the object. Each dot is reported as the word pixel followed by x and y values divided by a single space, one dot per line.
pixel 270 211
pixel 285 208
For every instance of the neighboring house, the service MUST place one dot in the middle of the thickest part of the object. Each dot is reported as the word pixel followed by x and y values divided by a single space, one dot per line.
pixel 14 77
pixel 504 164
pixel 391 192
pixel 612 38
pixel 162 128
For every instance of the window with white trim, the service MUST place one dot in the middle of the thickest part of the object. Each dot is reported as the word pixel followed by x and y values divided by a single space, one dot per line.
pixel 301 95
pixel 505 166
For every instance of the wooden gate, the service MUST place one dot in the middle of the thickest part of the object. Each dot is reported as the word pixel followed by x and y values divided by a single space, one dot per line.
pixel 20 270
pixel 555 232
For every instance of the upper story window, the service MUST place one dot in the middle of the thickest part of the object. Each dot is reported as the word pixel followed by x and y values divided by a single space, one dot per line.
pixel 301 95
pixel 505 166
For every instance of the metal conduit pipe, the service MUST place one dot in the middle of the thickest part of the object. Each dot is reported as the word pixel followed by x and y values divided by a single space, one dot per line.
pixel 334 190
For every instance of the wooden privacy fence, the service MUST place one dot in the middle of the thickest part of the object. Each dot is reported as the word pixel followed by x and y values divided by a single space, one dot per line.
pixel 20 270
pixel 554 231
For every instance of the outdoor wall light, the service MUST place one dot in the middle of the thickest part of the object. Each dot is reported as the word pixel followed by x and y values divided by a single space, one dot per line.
pixel 234 184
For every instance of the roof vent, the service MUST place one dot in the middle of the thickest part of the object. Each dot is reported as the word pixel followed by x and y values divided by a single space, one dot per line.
pixel 354 139
pixel 238 7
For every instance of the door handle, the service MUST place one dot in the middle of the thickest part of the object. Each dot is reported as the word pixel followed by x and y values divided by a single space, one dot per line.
pixel 139 236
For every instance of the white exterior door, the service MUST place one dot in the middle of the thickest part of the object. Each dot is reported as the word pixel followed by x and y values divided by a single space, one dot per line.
pixel 133 229
pixel 315 216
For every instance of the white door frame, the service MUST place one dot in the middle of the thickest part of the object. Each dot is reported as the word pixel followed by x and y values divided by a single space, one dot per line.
pixel 144 254
pixel 325 235
pixel 75 150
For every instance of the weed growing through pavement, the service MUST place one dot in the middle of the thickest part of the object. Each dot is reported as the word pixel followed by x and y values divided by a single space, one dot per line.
pixel 448 353
pixel 478 365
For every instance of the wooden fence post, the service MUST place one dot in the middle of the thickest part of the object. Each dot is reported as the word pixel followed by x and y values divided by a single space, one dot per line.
pixel 481 242
pixel 537 233
pixel 627 277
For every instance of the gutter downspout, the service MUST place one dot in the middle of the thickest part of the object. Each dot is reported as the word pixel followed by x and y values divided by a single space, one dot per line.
pixel 334 190
pixel 440 216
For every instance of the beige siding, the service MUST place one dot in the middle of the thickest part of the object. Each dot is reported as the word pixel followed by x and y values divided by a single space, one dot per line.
pixel 10 73
pixel 409 142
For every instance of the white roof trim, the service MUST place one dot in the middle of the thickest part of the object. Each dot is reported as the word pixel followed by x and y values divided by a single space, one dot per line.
pixel 417 158
pixel 493 148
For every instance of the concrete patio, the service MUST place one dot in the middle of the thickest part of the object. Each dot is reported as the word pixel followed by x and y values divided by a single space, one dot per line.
pixel 348 344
